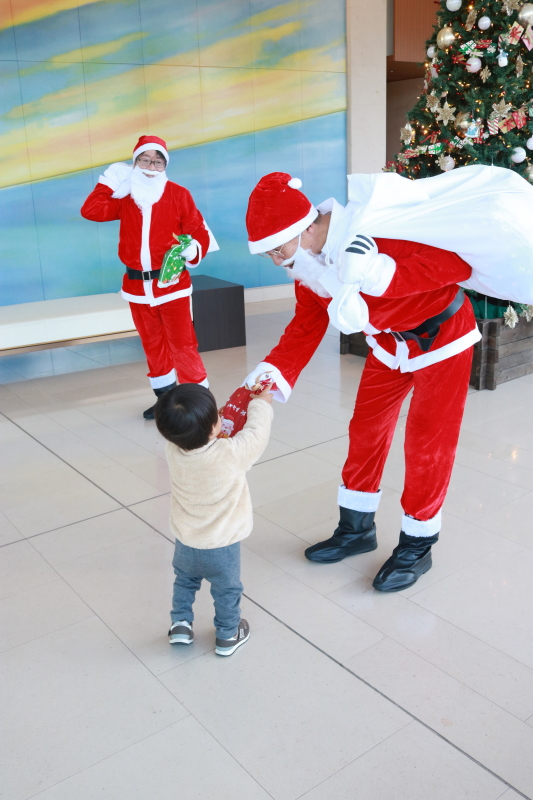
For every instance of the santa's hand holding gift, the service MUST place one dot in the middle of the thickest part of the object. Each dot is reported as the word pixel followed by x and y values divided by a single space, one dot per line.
pixel 389 264
pixel 155 217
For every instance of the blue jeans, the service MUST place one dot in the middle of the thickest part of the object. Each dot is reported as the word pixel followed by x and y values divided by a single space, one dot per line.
pixel 221 567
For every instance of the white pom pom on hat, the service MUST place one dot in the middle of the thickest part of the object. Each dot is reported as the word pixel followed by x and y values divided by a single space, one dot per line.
pixel 295 183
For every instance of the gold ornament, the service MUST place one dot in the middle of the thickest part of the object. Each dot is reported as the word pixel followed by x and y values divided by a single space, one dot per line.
pixel 407 134
pixel 529 173
pixel 519 66
pixel 471 20
pixel 525 15
pixel 502 108
pixel 432 102
pixel 510 317
pixel 445 38
pixel 446 113
pixel 511 5
pixel 527 312
pixel 463 120
pixel 485 74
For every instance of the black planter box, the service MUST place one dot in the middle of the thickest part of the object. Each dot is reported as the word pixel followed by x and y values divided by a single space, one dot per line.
pixel 218 313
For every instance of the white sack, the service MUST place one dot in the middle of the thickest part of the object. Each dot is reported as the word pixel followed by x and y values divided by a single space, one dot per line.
pixel 485 214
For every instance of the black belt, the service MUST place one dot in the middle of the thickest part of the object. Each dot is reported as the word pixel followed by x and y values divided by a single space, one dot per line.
pixel 432 325
pixel 140 275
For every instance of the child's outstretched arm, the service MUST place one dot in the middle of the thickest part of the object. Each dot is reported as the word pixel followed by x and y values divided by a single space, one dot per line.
pixel 250 443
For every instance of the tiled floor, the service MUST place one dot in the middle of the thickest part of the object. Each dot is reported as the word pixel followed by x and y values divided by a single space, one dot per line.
pixel 342 693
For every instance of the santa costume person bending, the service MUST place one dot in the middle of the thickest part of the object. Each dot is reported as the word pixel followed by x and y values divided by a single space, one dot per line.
pixel 420 329
pixel 153 211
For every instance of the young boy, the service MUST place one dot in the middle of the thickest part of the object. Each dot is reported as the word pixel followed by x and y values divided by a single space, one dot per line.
pixel 211 508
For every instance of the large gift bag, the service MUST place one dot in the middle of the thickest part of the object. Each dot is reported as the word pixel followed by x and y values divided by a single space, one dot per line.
pixel 235 411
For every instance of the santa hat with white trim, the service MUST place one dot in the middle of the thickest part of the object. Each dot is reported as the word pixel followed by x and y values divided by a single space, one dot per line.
pixel 150 143
pixel 277 212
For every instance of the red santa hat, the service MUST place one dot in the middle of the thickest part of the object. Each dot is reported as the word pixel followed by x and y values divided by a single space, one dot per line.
pixel 150 143
pixel 277 212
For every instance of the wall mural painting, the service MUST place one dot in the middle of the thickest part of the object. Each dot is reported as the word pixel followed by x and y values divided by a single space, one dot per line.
pixel 236 88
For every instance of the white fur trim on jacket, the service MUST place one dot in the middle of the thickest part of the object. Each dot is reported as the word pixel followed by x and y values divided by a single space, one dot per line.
pixel 417 527
pixel 284 236
pixel 358 501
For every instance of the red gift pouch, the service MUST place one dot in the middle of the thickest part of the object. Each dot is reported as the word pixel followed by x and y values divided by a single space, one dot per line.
pixel 235 411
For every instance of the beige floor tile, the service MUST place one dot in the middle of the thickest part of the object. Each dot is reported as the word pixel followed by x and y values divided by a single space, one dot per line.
pixel 520 476
pixel 487 446
pixel 315 617
pixel 485 669
pixel 256 570
pixel 52 499
pixel 299 718
pixel 86 537
pixel 22 569
pixel 274 450
pixel 156 513
pixel 9 431
pixel 181 761
pixel 304 509
pixel 512 427
pixel 490 599
pixel 472 495
pixel 413 764
pixel 68 702
pixel 285 476
pixel 512 521
pixel 323 407
pixel 332 396
pixel 301 428
pixel 323 578
pixel 510 794
pixel 484 731
pixel 270 541
pixel 482 462
pixel 22 458
pixel 31 614
pixel 8 532
pixel 334 451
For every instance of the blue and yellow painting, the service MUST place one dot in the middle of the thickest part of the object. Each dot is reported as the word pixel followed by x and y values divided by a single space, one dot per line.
pixel 237 88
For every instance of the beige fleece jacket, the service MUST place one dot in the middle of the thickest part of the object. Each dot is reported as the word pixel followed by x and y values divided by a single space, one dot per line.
pixel 211 504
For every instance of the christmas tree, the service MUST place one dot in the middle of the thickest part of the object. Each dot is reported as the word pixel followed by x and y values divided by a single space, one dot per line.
pixel 477 103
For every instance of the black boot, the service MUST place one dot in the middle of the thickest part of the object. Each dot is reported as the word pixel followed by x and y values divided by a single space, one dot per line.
pixel 149 413
pixel 409 560
pixel 355 534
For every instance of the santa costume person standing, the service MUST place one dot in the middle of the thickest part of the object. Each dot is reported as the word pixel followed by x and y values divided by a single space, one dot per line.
pixel 153 211
pixel 421 331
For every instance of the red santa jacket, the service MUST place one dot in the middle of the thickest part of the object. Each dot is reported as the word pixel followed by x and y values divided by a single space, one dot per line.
pixel 145 238
pixel 423 285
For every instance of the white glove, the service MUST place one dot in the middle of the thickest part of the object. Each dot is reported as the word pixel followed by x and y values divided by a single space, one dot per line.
pixel 362 265
pixel 191 251
pixel 266 371
pixel 116 174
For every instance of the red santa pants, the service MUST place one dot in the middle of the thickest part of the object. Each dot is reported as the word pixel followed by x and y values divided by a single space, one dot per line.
pixel 431 433
pixel 169 342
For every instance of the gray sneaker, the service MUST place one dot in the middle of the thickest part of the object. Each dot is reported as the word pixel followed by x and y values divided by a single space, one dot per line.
pixel 225 647
pixel 180 633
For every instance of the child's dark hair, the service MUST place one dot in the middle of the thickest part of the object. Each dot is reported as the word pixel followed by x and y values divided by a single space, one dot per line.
pixel 186 414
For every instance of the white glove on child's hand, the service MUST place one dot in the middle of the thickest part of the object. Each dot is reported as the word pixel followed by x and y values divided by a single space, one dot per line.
pixel 116 174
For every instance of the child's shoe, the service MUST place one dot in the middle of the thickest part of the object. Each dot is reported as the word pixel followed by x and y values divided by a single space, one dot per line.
pixel 180 632
pixel 225 647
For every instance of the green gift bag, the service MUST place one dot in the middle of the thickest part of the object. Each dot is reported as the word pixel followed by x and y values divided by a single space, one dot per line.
pixel 173 262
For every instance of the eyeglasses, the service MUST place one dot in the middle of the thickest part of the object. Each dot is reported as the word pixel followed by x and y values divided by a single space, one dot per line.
pixel 270 253
pixel 158 163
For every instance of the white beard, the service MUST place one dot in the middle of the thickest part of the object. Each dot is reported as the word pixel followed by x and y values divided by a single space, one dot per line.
pixel 147 191
pixel 307 268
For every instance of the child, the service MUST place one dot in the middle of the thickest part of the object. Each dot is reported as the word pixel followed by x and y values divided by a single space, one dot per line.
pixel 211 508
